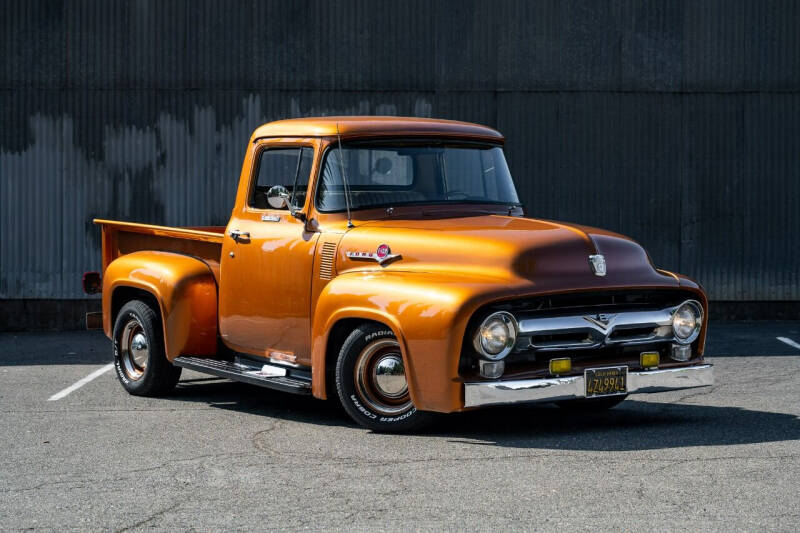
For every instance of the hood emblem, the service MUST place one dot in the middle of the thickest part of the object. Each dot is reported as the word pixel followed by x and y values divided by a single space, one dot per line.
pixel 600 319
pixel 598 264
pixel 381 255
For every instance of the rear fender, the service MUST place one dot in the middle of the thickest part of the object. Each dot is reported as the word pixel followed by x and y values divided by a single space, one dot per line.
pixel 185 290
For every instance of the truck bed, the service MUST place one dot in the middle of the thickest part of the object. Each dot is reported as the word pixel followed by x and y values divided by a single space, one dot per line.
pixel 120 238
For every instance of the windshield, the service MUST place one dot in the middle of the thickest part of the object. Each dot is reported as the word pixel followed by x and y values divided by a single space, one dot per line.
pixel 387 175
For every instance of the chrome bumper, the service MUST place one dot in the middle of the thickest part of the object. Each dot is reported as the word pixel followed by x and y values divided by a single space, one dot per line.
pixel 553 389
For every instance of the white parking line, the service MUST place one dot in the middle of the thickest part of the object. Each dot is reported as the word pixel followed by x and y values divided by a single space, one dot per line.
pixel 790 342
pixel 81 382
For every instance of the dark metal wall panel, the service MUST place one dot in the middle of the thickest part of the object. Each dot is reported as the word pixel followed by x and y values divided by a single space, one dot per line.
pixel 590 45
pixel 31 44
pixel 741 224
pixel 677 123
pixel 600 159
pixel 740 45
pixel 454 45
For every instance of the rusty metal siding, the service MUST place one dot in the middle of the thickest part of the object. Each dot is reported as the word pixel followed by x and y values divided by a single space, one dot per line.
pixel 677 123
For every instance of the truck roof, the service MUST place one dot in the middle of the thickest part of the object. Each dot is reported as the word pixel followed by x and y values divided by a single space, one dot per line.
pixel 368 126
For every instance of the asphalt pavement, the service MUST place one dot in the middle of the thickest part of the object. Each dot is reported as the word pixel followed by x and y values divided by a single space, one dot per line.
pixel 220 455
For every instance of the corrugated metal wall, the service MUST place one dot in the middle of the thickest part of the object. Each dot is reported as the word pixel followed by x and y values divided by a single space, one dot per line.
pixel 677 123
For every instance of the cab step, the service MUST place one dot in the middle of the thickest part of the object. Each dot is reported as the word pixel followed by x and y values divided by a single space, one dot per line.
pixel 247 371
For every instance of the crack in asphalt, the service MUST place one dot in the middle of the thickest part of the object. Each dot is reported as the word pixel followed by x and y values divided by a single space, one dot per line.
pixel 70 409
pixel 276 424
pixel 703 392
pixel 150 518
pixel 124 474
pixel 687 460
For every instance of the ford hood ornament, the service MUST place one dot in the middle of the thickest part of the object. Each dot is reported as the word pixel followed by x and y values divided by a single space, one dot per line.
pixel 598 264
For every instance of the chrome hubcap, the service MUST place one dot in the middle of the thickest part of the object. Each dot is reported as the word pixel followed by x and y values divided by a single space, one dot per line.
pixel 381 378
pixel 139 349
pixel 134 350
pixel 390 376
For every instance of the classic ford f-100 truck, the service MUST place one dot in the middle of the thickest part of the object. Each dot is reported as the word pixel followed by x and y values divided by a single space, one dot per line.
pixel 387 262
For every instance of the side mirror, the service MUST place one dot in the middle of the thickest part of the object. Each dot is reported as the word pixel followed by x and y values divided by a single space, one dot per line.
pixel 278 197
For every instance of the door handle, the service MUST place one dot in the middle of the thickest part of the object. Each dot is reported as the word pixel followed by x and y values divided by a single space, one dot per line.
pixel 236 235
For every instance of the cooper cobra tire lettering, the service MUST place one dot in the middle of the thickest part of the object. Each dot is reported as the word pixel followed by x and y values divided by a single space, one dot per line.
pixel 361 407
pixel 398 418
pixel 350 355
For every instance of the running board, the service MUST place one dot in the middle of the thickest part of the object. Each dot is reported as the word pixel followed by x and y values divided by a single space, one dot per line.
pixel 295 381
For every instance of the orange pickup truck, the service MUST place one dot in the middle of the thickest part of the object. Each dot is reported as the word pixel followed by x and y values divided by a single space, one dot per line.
pixel 387 262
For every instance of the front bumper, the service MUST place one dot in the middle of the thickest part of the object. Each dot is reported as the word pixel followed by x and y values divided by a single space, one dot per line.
pixel 569 387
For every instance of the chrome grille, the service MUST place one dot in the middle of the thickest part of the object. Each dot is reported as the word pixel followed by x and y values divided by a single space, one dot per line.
pixel 594 330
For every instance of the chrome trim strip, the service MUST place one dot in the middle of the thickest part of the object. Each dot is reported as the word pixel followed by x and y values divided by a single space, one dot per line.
pixel 565 388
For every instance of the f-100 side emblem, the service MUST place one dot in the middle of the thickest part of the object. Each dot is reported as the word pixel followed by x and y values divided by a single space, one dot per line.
pixel 598 264
pixel 381 255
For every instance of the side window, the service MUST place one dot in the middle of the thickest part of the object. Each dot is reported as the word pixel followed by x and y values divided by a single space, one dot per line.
pixel 279 166
pixel 306 160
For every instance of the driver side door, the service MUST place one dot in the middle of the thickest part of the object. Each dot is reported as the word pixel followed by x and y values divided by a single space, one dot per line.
pixel 267 259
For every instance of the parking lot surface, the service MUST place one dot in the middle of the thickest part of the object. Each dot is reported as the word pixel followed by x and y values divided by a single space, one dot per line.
pixel 222 455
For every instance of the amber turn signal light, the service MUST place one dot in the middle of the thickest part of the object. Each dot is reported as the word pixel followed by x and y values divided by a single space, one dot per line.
pixel 649 359
pixel 561 366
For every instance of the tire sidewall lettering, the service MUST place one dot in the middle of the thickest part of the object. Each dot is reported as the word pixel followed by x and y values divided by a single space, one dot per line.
pixel 366 412
pixel 130 315
pixel 117 365
pixel 351 397
pixel 391 419
pixel 377 334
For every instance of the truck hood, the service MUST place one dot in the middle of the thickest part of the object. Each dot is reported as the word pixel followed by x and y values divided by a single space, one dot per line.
pixel 545 254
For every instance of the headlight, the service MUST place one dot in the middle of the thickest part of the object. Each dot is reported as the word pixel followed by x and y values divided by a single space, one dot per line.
pixel 496 335
pixel 686 321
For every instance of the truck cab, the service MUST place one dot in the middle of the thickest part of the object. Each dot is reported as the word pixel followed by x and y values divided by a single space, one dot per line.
pixel 387 262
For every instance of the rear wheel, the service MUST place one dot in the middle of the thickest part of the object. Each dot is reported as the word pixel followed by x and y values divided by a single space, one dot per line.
pixel 139 356
pixel 592 405
pixel 371 381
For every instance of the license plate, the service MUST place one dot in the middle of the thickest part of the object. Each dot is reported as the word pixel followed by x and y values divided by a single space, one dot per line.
pixel 606 381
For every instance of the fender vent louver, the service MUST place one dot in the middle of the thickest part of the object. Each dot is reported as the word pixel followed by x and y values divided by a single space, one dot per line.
pixel 326 260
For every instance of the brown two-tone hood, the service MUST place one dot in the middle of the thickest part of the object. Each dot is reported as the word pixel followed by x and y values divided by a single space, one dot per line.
pixel 549 255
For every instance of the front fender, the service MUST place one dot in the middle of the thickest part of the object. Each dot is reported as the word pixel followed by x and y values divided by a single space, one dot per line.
pixel 185 290
pixel 427 312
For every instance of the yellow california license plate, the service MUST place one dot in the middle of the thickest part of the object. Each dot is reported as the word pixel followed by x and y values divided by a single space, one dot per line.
pixel 606 381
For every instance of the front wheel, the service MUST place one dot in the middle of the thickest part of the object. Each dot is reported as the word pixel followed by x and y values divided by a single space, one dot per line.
pixel 139 356
pixel 371 382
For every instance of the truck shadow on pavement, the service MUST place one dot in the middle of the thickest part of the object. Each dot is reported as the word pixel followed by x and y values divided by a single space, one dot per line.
pixel 633 425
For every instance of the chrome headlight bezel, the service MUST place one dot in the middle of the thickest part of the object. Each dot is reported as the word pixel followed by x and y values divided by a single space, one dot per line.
pixel 697 310
pixel 512 329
